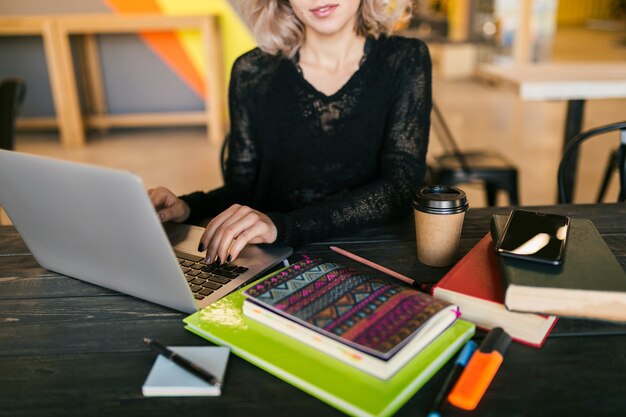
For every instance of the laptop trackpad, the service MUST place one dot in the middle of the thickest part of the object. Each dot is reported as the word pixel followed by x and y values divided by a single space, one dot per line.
pixel 184 237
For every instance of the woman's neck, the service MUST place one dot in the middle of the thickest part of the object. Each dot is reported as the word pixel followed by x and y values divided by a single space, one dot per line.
pixel 333 53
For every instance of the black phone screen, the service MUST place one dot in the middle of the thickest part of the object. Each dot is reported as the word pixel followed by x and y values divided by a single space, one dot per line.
pixel 535 236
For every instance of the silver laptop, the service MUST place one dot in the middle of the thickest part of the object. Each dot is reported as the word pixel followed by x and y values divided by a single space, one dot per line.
pixel 98 225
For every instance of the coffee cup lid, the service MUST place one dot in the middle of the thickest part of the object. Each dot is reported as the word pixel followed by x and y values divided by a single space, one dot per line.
pixel 440 199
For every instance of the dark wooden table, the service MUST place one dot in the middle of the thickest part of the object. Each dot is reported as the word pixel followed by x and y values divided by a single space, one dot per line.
pixel 71 348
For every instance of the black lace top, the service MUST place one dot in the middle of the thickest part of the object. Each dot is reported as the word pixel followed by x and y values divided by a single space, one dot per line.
pixel 320 165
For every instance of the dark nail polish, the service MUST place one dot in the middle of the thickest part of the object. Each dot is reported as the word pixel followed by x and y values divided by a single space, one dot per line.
pixel 201 247
pixel 218 260
pixel 229 258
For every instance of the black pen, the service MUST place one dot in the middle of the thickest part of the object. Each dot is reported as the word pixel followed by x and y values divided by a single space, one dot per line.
pixel 184 363
pixel 459 365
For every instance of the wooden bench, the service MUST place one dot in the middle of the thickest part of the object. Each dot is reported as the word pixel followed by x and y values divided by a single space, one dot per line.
pixel 56 31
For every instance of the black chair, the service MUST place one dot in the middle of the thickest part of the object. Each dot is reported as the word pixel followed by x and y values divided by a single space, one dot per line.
pixel 565 194
pixel 459 167
pixel 12 91
pixel 224 155
pixel 611 166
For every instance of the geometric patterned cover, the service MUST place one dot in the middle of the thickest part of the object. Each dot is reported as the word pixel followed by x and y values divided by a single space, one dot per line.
pixel 357 306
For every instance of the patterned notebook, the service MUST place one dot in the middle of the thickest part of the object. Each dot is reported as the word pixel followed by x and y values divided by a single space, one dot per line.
pixel 362 308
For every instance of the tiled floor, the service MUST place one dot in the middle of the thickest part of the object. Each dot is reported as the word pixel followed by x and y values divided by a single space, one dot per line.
pixel 480 115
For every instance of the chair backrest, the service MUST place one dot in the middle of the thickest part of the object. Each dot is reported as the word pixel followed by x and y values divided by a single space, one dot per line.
pixel 224 155
pixel 565 194
pixel 447 139
pixel 12 91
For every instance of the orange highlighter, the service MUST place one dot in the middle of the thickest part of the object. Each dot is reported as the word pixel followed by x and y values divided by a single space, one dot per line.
pixel 480 370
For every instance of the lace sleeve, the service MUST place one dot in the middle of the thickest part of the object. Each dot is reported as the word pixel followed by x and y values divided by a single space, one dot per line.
pixel 403 163
pixel 242 161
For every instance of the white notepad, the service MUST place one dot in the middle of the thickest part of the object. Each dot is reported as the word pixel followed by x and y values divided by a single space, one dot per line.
pixel 167 379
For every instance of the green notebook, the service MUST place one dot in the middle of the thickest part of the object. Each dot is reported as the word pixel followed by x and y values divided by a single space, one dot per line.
pixel 590 284
pixel 332 381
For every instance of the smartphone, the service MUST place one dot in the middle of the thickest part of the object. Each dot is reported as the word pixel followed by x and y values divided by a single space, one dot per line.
pixel 535 236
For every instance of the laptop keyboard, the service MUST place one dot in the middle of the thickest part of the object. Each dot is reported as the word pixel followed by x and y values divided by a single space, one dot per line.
pixel 204 279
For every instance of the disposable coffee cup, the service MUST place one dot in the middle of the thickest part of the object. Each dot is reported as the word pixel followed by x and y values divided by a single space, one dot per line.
pixel 439 212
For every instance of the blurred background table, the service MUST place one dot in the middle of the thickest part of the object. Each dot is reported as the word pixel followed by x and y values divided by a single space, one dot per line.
pixel 574 82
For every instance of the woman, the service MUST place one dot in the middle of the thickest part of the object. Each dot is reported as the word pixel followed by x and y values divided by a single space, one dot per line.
pixel 329 127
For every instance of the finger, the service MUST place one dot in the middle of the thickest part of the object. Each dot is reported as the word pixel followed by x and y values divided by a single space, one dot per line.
pixel 171 213
pixel 216 222
pixel 229 251
pixel 158 196
pixel 158 199
pixel 231 232
pixel 247 236
pixel 209 232
pixel 244 231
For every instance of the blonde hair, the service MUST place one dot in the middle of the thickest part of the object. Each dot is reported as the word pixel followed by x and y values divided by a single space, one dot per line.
pixel 278 31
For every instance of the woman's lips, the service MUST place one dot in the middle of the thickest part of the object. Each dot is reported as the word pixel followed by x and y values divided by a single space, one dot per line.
pixel 324 11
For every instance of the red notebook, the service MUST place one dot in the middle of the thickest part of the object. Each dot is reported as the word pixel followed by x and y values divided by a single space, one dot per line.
pixel 475 285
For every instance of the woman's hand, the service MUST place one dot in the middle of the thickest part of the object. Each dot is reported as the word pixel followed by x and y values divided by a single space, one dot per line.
pixel 227 234
pixel 168 206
